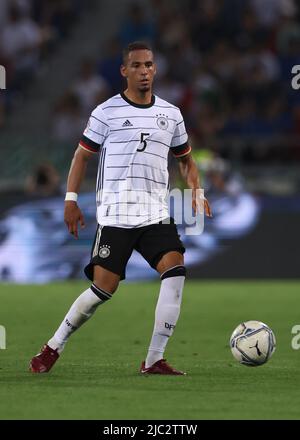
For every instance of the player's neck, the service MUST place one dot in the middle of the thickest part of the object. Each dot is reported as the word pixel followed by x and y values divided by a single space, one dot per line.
pixel 139 97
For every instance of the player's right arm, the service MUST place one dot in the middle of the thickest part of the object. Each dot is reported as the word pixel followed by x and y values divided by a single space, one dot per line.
pixel 93 137
pixel 73 214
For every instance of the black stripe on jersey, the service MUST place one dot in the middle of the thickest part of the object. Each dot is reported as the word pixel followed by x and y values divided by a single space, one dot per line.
pixel 92 116
pixel 180 122
pixel 183 134
pixel 134 128
pixel 123 166
pixel 121 154
pixel 149 166
pixel 141 117
pixel 128 190
pixel 99 176
pixel 152 154
pixel 97 184
pixel 114 180
pixel 157 218
pixel 97 132
pixel 158 142
pixel 125 142
pixel 168 106
pixel 101 173
pixel 131 203
pixel 89 143
pixel 117 214
pixel 115 106
pixel 138 140
pixel 145 178
pixel 103 168
pixel 119 203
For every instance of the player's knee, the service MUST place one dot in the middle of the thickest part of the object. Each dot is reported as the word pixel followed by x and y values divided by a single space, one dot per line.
pixel 175 271
pixel 106 280
pixel 169 260
pixel 107 286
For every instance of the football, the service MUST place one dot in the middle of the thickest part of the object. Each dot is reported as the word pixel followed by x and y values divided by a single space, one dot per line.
pixel 252 343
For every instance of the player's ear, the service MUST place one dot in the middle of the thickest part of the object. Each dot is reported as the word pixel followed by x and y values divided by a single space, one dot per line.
pixel 154 69
pixel 123 71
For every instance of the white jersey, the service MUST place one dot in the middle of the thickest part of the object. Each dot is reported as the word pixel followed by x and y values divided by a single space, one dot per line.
pixel 133 142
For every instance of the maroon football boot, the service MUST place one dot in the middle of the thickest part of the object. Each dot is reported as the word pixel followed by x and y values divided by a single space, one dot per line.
pixel 160 367
pixel 43 361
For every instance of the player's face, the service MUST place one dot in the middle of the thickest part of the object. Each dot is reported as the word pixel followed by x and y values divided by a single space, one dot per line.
pixel 139 70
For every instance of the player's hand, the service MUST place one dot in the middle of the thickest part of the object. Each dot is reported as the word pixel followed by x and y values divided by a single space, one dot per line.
pixel 72 216
pixel 198 202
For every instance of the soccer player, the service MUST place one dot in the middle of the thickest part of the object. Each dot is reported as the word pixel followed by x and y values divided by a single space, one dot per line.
pixel 133 133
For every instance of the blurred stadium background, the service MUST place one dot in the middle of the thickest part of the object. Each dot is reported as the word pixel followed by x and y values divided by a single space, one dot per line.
pixel 227 64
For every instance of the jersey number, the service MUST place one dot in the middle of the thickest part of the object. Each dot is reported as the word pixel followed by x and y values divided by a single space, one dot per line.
pixel 143 141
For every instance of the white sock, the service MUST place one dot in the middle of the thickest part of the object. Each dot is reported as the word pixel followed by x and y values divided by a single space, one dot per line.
pixel 81 310
pixel 166 316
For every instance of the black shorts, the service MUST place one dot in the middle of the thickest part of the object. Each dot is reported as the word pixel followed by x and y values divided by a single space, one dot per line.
pixel 113 246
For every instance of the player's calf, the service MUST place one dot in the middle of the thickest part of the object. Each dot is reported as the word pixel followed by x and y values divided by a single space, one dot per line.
pixel 81 310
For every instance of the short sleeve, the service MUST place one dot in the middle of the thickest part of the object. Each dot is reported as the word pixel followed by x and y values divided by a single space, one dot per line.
pixel 179 144
pixel 96 131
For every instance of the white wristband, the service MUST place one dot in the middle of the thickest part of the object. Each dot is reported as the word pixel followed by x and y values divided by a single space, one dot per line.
pixel 71 196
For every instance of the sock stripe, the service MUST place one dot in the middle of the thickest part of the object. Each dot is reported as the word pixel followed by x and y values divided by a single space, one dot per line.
pixel 104 296
pixel 175 271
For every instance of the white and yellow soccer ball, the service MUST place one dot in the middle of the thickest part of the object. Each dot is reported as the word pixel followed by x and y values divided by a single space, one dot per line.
pixel 252 343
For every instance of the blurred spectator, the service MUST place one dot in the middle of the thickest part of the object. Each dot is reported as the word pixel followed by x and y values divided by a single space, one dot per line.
pixel 170 90
pixel 28 29
pixel 109 65
pixel 68 122
pixel 249 30
pixel 4 12
pixel 162 64
pixel 2 111
pixel 220 178
pixel 90 87
pixel 189 60
pixel 136 26
pixel 207 29
pixel 20 43
pixel 43 182
pixel 173 29
pixel 276 117
pixel 269 12
pixel 57 14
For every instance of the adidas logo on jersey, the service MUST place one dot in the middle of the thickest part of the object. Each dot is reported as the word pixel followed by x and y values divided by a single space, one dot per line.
pixel 127 124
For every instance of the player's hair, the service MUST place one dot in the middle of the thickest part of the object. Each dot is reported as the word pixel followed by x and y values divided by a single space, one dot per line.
pixel 136 45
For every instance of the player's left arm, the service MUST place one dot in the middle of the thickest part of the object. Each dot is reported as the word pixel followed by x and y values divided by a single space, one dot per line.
pixel 190 174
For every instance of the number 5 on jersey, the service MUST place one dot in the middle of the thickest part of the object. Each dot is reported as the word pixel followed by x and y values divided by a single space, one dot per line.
pixel 143 141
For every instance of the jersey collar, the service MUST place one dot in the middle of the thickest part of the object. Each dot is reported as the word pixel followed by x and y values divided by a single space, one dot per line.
pixel 138 105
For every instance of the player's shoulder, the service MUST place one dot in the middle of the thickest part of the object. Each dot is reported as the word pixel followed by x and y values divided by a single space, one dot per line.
pixel 114 101
pixel 160 101
pixel 111 103
pixel 168 106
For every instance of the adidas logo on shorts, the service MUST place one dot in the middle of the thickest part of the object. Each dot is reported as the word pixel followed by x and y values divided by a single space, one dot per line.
pixel 127 124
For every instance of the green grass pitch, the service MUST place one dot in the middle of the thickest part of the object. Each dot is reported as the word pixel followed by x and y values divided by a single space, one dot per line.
pixel 97 375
